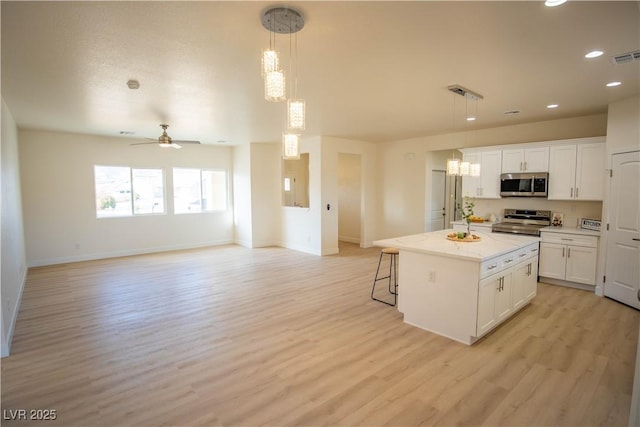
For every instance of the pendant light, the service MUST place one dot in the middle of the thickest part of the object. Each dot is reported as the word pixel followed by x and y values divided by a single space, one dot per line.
pixel 290 146
pixel 295 106
pixel 455 166
pixel 276 20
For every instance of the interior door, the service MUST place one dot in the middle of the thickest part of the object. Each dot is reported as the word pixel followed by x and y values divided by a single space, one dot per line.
pixel 438 199
pixel 622 269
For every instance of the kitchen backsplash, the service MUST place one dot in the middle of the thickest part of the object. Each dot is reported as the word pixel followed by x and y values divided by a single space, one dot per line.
pixel 572 210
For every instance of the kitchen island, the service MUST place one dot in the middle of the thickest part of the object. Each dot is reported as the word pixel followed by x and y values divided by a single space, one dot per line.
pixel 462 290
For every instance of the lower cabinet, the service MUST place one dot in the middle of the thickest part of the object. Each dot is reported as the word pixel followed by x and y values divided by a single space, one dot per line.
pixel 569 257
pixel 502 293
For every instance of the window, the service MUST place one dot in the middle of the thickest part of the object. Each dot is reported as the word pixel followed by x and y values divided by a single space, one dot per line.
pixel 196 190
pixel 123 191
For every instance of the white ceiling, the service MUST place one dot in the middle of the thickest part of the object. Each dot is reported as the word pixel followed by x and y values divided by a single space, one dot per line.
pixel 374 71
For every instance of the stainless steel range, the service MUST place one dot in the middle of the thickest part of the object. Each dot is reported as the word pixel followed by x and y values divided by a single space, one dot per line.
pixel 523 221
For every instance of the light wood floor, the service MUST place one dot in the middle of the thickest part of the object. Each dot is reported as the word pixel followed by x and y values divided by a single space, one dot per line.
pixel 234 336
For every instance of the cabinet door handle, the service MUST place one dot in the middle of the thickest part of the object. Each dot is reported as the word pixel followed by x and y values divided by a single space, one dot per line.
pixel 571 192
pixel 637 240
pixel 562 252
pixel 525 165
pixel 521 167
pixel 534 249
pixel 577 189
pixel 491 267
pixel 564 238
pixel 522 255
pixel 507 261
pixel 568 252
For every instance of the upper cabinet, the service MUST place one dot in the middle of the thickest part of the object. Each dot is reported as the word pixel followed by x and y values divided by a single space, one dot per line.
pixel 487 185
pixel 535 159
pixel 577 171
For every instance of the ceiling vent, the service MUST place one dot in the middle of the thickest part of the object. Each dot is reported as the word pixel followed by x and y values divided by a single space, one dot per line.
pixel 465 92
pixel 626 57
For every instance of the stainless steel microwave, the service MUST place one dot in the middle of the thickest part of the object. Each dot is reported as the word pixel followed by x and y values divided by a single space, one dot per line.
pixel 524 184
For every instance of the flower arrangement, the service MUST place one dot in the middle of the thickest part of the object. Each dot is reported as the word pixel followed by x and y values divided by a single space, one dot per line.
pixel 466 209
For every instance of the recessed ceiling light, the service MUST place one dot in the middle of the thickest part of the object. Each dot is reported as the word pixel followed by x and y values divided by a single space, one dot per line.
pixel 470 119
pixel 553 3
pixel 613 84
pixel 552 106
pixel 594 54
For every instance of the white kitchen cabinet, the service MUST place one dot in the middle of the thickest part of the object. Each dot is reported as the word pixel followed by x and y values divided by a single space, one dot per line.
pixel 525 283
pixel 494 300
pixel 534 159
pixel 568 257
pixel 487 185
pixel 514 283
pixel 576 172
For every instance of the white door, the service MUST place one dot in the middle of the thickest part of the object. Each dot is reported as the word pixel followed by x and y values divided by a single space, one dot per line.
pixel 622 268
pixel 438 182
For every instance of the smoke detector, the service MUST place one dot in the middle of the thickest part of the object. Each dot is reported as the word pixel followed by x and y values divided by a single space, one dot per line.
pixel 133 84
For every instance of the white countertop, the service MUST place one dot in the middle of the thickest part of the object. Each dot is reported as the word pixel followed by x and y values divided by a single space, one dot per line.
pixel 436 243
pixel 570 230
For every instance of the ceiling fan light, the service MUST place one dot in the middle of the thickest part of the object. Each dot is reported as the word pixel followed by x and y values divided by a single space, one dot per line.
pixel 274 86
pixel 296 114
pixel 290 146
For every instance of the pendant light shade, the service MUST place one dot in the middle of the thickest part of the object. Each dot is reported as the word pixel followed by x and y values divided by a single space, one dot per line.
pixel 464 168
pixel 270 61
pixel 295 114
pixel 474 169
pixel 274 86
pixel 453 167
pixel 290 146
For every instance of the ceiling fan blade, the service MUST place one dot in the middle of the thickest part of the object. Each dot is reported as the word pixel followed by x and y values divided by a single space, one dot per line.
pixel 181 141
pixel 176 146
pixel 145 143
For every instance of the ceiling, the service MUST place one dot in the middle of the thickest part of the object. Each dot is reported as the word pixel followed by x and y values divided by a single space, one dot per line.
pixel 373 71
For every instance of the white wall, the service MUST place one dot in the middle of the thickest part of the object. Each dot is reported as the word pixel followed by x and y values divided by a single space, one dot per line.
pixel 243 227
pixel 301 228
pixel 12 250
pixel 349 197
pixel 402 175
pixel 623 126
pixel 57 176
pixel 266 194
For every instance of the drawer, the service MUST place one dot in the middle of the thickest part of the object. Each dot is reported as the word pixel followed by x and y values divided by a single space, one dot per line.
pixel 489 267
pixel 569 239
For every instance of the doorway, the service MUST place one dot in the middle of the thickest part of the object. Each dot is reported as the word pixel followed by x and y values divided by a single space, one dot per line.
pixel 622 270
pixel 438 200
pixel 350 198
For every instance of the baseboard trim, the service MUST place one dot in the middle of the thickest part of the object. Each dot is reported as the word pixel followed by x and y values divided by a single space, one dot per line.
pixel 117 254
pixel 6 342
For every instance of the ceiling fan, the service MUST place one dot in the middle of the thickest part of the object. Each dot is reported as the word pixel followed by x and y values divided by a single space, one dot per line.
pixel 165 140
